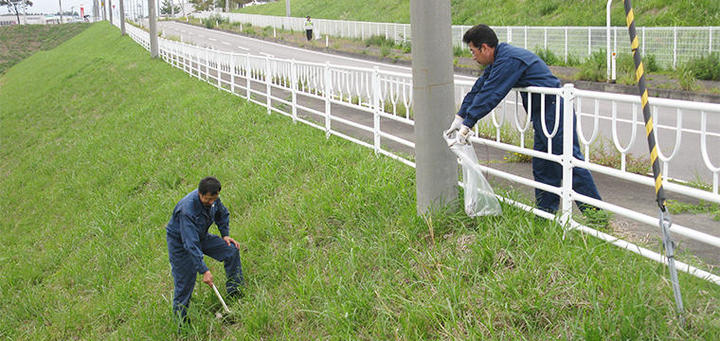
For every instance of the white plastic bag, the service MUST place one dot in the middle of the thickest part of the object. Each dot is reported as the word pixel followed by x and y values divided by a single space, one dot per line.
pixel 480 199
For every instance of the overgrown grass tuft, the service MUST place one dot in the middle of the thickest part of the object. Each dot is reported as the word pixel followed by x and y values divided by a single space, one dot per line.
pixel 97 154
pixel 705 67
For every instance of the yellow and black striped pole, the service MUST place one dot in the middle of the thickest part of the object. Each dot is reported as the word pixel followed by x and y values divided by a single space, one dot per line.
pixel 665 221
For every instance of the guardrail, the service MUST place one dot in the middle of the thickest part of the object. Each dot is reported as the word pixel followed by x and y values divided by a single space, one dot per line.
pixel 671 46
pixel 374 109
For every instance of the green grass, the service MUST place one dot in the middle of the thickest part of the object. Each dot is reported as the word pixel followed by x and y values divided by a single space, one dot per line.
pixel 98 153
pixel 17 42
pixel 509 13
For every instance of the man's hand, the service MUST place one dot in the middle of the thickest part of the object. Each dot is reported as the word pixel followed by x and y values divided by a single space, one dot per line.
pixel 463 136
pixel 229 240
pixel 208 278
pixel 456 125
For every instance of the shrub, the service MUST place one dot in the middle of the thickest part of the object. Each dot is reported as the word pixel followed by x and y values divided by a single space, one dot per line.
pixel 650 63
pixel 548 57
pixel 706 67
pixel 594 68
pixel 459 51
pixel 214 20
pixel 378 41
pixel 686 77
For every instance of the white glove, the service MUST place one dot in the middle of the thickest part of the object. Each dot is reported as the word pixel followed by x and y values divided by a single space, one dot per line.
pixel 455 126
pixel 463 136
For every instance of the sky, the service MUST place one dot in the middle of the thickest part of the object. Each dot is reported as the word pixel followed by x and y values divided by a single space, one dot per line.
pixel 52 6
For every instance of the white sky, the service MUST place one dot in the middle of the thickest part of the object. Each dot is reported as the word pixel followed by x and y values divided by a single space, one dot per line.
pixel 52 6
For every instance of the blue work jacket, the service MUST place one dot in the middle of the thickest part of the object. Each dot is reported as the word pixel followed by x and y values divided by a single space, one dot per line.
pixel 190 222
pixel 513 67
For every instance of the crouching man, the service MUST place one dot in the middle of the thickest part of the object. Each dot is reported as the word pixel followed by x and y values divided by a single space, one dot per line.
pixel 188 239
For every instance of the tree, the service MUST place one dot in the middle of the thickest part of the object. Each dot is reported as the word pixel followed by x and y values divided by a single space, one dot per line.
pixel 200 5
pixel 14 6
pixel 165 8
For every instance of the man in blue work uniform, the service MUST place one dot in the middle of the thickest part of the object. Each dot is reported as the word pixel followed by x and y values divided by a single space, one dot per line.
pixel 507 67
pixel 188 239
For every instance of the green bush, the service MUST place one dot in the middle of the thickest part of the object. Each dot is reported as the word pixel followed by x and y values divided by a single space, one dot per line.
pixel 686 77
pixel 650 63
pixel 548 57
pixel 706 67
pixel 594 68
pixel 378 41
pixel 459 51
pixel 215 20
pixel 572 60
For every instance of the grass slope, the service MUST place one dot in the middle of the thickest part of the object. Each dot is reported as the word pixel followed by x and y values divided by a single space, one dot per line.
pixel 510 13
pixel 20 41
pixel 99 142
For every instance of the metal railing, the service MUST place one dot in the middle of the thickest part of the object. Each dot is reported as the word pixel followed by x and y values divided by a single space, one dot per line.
pixel 373 108
pixel 670 46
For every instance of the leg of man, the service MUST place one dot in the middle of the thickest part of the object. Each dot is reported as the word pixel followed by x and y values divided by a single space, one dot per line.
pixel 218 249
pixel 184 276
pixel 308 34
pixel 583 182
pixel 547 172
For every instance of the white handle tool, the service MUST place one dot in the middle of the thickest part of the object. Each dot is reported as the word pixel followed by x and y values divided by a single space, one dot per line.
pixel 221 299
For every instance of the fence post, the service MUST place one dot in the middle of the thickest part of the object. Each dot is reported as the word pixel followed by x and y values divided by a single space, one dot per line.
pixel 615 40
pixel 568 100
pixel 327 89
pixel 268 80
pixel 294 86
pixel 589 42
pixel 566 44
pixel 376 108
pixel 709 40
pixel 232 74
pixel 675 47
pixel 643 41
pixel 247 76
pixel 526 37
pixel 545 44
pixel 207 65
pixel 217 70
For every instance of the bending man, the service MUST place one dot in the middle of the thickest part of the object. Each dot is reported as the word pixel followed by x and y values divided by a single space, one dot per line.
pixel 507 67
pixel 188 239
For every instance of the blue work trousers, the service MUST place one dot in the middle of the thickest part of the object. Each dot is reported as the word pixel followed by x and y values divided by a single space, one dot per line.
pixel 550 172
pixel 184 272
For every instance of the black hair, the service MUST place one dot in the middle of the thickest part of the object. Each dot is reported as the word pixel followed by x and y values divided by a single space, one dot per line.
pixel 481 34
pixel 209 185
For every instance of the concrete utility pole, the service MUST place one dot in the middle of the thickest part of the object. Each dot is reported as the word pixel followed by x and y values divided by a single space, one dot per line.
pixel 433 93
pixel 60 5
pixel 287 8
pixel 96 10
pixel 110 10
pixel 227 6
pixel 153 29
pixel 172 9
pixel 122 18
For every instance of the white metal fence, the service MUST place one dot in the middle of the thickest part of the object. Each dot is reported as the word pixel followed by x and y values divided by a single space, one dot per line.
pixel 374 109
pixel 670 46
